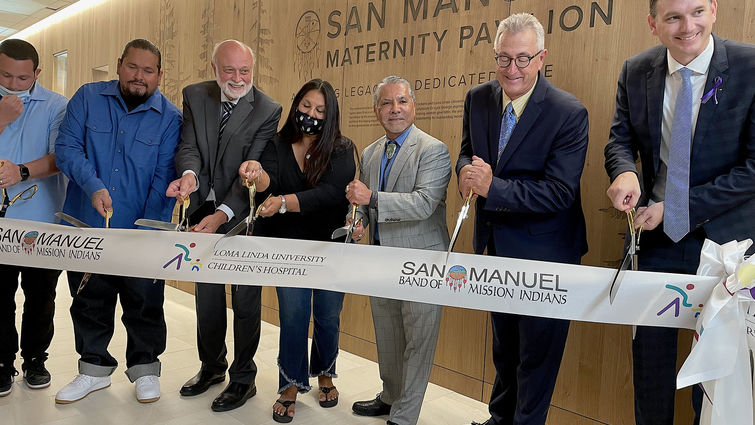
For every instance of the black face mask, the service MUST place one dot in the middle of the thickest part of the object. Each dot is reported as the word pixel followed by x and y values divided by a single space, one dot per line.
pixel 307 124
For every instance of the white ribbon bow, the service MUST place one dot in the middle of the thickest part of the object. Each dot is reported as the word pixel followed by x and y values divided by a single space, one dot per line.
pixel 720 356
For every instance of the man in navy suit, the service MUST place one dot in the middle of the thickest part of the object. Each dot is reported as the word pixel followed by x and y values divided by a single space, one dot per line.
pixel 522 152
pixel 698 167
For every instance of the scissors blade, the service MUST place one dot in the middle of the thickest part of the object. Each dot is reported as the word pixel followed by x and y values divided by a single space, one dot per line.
pixel 75 221
pixel 156 224
pixel 238 228
pixel 459 220
pixel 84 280
pixel 462 216
pixel 618 278
pixel 351 225
pixel 340 232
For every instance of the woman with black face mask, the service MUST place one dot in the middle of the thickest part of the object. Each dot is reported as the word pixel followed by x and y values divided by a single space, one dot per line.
pixel 305 168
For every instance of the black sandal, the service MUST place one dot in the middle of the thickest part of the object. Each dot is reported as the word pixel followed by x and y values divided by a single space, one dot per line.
pixel 284 418
pixel 328 403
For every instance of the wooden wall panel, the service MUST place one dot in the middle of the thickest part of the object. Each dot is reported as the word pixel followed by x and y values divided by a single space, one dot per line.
pixel 296 40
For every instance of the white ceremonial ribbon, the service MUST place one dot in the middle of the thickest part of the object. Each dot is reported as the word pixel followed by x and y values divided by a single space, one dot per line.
pixel 488 283
pixel 720 356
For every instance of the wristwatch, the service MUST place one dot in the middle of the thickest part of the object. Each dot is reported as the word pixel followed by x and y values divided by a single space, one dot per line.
pixel 24 172
pixel 283 205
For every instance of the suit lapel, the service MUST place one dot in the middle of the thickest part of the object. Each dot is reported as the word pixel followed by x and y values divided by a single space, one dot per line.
pixel 526 121
pixel 403 155
pixel 239 116
pixel 377 155
pixel 495 114
pixel 719 67
pixel 656 82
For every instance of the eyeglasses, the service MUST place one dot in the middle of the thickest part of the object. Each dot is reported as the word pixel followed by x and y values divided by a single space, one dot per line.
pixel 521 62
pixel 6 202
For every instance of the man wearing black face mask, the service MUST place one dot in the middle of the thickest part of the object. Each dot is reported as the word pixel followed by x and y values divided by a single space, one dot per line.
pixel 225 122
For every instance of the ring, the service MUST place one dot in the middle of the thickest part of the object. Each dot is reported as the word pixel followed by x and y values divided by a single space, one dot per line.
pixel 1 182
pixel 347 187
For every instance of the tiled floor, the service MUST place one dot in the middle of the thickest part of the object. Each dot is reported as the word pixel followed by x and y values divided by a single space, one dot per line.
pixel 358 380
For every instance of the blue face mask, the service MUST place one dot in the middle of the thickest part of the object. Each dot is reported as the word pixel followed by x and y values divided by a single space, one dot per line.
pixel 24 95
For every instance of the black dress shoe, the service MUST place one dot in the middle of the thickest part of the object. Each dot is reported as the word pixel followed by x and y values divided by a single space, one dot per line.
pixel 374 407
pixel 233 396
pixel 201 382
pixel 488 422
pixel 391 423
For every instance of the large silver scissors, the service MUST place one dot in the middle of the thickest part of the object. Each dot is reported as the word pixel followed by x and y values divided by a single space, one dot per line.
pixel 463 214
pixel 80 224
pixel 630 258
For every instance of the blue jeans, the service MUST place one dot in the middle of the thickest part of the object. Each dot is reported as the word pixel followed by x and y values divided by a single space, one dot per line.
pixel 295 305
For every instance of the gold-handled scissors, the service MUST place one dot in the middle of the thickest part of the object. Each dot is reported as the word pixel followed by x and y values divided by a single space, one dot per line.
pixel 630 258
pixel 252 192
pixel 6 202
pixel 353 223
pixel 87 276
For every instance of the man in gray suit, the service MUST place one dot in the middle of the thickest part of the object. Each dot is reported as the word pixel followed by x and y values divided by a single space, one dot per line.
pixel 401 191
pixel 226 122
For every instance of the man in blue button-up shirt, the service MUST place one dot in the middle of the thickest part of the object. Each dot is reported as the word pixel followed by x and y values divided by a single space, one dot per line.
pixel 116 144
pixel 29 120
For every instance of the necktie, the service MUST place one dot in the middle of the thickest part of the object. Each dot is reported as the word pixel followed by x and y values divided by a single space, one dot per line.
pixel 508 122
pixel 676 202
pixel 227 109
pixel 390 153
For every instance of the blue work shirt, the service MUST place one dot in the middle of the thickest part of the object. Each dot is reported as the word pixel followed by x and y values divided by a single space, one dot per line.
pixel 102 145
pixel 29 137
pixel 385 166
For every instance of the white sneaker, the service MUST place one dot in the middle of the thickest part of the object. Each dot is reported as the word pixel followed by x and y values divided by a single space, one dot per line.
pixel 147 389
pixel 80 387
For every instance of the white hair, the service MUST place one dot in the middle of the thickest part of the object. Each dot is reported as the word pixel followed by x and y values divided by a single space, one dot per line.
pixel 517 23
pixel 392 79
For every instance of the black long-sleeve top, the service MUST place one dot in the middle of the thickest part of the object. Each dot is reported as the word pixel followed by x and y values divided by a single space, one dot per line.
pixel 322 208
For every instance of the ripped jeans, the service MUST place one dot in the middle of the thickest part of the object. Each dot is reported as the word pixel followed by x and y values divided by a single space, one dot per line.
pixel 296 305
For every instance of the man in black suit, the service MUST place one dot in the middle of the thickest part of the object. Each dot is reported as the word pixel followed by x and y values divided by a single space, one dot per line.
pixel 523 149
pixel 226 122
pixel 686 108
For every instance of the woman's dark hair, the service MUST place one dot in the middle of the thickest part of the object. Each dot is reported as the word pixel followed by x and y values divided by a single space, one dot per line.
pixel 329 141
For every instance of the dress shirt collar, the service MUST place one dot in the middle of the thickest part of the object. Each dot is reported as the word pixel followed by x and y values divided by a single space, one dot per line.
pixel 401 137
pixel 698 65
pixel 519 103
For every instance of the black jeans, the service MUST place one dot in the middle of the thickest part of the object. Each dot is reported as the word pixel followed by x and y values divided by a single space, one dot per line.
pixel 93 314
pixel 39 308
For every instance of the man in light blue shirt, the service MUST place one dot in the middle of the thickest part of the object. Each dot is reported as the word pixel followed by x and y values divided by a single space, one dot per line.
pixel 29 120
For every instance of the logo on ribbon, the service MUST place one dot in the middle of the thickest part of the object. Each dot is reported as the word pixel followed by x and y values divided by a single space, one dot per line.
pixel 30 239
pixel 182 256
pixel 456 278
pixel 681 300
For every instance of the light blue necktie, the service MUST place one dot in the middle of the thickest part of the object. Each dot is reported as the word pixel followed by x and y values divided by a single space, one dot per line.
pixel 508 122
pixel 676 203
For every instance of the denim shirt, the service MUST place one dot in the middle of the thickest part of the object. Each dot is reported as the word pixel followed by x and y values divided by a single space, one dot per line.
pixel 103 145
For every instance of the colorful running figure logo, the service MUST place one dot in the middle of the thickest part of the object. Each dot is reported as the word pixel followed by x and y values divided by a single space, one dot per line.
pixel 457 277
pixel 29 241
pixel 184 256
pixel 681 301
